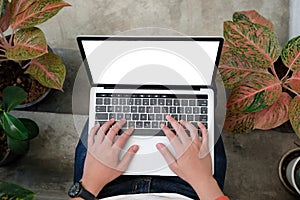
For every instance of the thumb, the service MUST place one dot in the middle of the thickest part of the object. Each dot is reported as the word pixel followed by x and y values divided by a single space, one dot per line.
pixel 168 156
pixel 128 157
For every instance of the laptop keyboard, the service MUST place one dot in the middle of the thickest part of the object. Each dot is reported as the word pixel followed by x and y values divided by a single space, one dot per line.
pixel 148 111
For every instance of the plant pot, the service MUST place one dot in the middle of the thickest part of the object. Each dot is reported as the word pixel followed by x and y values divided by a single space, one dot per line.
pixel 288 164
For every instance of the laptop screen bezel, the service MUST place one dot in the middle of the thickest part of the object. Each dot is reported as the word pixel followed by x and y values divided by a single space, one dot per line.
pixel 82 38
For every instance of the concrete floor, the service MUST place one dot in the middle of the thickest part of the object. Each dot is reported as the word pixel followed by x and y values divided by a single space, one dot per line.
pixel 48 167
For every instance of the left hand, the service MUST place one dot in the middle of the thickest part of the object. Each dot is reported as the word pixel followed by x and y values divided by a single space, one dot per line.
pixel 102 164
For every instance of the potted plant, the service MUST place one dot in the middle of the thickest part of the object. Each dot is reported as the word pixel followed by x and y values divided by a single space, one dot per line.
pixel 25 59
pixel 15 133
pixel 289 170
pixel 264 79
pixel 14 191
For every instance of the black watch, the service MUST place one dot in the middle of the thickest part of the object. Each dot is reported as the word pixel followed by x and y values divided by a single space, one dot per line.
pixel 77 190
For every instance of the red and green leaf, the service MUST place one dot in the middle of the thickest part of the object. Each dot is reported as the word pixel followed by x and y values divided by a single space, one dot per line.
pixel 294 114
pixel 294 81
pixel 254 17
pixel 48 70
pixel 253 42
pixel 18 6
pixel 290 54
pixel 256 92
pixel 28 44
pixel 37 13
pixel 236 122
pixel 234 69
pixel 5 18
pixel 274 115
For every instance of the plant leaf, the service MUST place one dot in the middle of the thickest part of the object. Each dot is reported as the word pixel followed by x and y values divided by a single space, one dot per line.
pixel 254 43
pixel 254 17
pixel 14 191
pixel 49 70
pixel 234 69
pixel 37 13
pixel 12 97
pixel 13 127
pixel 236 122
pixel 31 126
pixel 5 18
pixel 256 92
pixel 28 44
pixel 19 147
pixel 274 115
pixel 294 81
pixel 294 114
pixel 18 6
pixel 290 54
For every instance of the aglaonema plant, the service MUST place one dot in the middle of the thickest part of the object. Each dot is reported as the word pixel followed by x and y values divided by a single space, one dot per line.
pixel 27 42
pixel 14 192
pixel 17 130
pixel 265 79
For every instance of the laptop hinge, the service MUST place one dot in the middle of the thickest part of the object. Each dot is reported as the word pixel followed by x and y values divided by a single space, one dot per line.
pixel 151 87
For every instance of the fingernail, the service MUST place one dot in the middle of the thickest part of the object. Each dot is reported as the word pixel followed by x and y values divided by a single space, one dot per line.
pixel 162 126
pixel 135 148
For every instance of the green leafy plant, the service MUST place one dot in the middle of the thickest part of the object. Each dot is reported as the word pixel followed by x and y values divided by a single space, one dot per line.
pixel 27 42
pixel 265 80
pixel 17 130
pixel 14 192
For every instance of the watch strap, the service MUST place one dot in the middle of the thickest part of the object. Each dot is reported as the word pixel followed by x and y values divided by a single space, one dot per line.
pixel 85 194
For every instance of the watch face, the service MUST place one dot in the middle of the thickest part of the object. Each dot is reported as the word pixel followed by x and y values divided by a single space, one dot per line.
pixel 75 190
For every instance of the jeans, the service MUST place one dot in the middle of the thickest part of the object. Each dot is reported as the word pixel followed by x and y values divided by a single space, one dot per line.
pixel 127 184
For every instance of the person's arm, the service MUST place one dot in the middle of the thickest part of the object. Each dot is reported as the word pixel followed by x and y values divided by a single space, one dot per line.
pixel 102 164
pixel 193 161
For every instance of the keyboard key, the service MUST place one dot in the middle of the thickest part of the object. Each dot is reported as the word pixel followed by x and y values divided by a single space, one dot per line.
pixel 176 117
pixel 201 102
pixel 192 102
pixel 129 101
pixel 100 108
pixel 134 109
pixel 126 108
pixel 149 109
pixel 147 125
pixel 196 110
pixel 135 117
pixel 120 116
pixel 107 101
pixel 161 102
pixel 184 102
pixel 99 101
pixel 101 116
pixel 153 101
pixel 203 110
pixel 176 102
pixel 110 109
pixel 180 110
pixel 114 101
pixel 182 117
pixel 172 110
pixel 112 115
pixel 122 101
pixel 156 109
pixel 188 110
pixel 131 124
pixel 139 124
pixel 151 117
pixel 165 110
pixel 138 102
pixel 155 125
pixel 145 102
pixel 118 109
pixel 142 109
pixel 128 116
pixel 143 116
pixel 190 117
pixel 195 124
pixel 158 117
pixel 169 102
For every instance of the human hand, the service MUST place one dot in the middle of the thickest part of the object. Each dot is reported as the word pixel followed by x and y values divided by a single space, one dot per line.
pixel 102 163
pixel 192 162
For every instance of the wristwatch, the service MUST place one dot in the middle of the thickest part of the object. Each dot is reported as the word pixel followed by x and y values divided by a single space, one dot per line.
pixel 77 190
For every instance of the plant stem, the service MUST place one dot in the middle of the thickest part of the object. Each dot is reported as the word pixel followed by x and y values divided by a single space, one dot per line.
pixel 2 60
pixel 25 66
pixel 274 72
pixel 290 89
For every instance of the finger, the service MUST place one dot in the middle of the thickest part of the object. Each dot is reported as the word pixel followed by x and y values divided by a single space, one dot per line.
pixel 103 129
pixel 114 130
pixel 169 158
pixel 192 129
pixel 204 134
pixel 172 138
pixel 121 141
pixel 92 135
pixel 178 129
pixel 125 161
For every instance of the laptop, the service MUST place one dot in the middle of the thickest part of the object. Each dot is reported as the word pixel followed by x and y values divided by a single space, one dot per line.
pixel 144 78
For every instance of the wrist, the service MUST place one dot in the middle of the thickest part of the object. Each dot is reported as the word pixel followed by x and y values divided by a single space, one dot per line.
pixel 91 187
pixel 207 188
